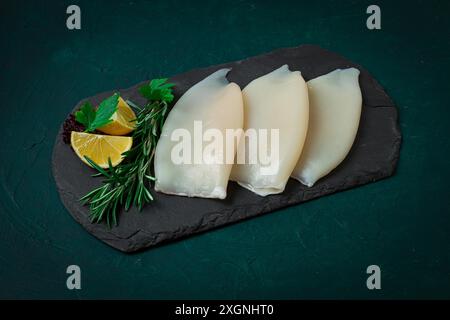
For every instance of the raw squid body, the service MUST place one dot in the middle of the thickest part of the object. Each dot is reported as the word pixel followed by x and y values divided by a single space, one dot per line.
pixel 335 109
pixel 278 100
pixel 215 104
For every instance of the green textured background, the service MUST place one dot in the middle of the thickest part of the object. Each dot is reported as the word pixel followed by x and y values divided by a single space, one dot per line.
pixel 319 249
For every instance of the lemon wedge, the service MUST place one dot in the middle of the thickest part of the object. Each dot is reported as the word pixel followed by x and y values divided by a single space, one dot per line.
pixel 100 147
pixel 122 120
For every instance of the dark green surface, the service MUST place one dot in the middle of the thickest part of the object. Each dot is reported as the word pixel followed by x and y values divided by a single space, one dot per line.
pixel 319 249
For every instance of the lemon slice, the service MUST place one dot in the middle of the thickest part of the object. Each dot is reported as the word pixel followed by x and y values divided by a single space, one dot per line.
pixel 122 120
pixel 99 147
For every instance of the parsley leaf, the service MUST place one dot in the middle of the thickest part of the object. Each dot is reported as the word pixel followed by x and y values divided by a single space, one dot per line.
pixel 104 112
pixel 157 89
pixel 85 115
pixel 93 119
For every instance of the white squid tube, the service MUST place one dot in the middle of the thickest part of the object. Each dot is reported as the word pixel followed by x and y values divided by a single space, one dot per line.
pixel 275 106
pixel 335 110
pixel 186 162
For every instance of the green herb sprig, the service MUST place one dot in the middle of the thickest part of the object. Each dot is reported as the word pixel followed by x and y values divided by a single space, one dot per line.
pixel 93 119
pixel 129 183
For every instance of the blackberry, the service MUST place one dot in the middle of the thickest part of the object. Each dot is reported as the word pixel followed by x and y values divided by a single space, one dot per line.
pixel 70 124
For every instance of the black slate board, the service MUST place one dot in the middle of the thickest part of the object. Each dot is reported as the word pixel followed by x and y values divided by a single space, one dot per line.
pixel 374 156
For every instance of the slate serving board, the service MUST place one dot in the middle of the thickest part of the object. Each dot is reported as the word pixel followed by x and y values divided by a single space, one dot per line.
pixel 374 156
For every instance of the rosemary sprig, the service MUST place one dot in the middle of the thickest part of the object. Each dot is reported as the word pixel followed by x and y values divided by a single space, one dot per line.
pixel 129 183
